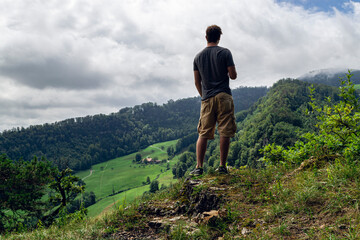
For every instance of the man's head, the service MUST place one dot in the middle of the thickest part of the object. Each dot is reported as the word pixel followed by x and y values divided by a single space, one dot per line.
pixel 213 33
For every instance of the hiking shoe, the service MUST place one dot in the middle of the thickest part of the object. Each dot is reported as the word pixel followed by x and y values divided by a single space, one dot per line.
pixel 196 172
pixel 222 170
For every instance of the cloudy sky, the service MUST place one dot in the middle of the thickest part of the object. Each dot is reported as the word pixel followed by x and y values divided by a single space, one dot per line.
pixel 69 58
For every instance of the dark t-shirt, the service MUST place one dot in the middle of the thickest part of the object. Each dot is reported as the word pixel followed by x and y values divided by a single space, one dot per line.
pixel 212 64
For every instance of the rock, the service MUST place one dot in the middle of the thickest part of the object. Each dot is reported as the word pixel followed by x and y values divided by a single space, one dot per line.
pixel 174 219
pixel 342 226
pixel 204 201
pixel 245 231
pixel 217 189
pixel 195 182
pixel 156 224
pixel 209 215
pixel 181 209
pixel 197 200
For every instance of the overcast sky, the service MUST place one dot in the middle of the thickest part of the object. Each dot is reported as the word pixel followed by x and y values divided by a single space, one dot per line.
pixel 61 59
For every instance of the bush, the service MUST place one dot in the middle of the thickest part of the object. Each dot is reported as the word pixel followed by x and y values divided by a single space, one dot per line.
pixel 338 130
pixel 273 154
pixel 154 186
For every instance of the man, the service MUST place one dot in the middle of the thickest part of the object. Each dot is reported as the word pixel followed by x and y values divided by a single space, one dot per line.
pixel 212 68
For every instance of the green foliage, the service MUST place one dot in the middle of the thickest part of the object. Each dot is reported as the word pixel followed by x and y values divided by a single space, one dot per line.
pixel 154 186
pixel 273 154
pixel 337 134
pixel 186 141
pixel 339 124
pixel 87 199
pixel 276 118
pixel 186 161
pixel 138 157
pixel 179 233
pixel 170 152
pixel 22 185
pixel 245 97
pixel 65 190
pixel 66 218
pixel 65 187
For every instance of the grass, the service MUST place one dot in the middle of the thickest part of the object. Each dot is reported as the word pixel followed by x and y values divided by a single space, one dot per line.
pixel 265 203
pixel 111 202
pixel 126 178
pixel 357 86
pixel 268 203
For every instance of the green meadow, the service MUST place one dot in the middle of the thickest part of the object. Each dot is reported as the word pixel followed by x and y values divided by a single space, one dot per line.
pixel 120 179
pixel 115 201
pixel 357 86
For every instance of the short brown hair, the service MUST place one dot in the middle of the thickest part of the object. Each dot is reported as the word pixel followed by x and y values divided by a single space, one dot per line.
pixel 213 33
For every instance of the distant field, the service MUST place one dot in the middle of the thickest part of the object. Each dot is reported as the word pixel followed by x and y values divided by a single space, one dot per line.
pixel 114 201
pixel 357 86
pixel 128 196
pixel 121 174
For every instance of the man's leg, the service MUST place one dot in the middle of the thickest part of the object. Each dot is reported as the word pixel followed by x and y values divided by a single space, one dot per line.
pixel 224 150
pixel 200 151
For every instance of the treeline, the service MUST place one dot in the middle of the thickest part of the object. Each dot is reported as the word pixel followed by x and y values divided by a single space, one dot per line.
pixel 80 142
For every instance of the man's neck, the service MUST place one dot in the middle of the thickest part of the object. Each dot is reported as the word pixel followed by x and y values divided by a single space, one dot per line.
pixel 212 44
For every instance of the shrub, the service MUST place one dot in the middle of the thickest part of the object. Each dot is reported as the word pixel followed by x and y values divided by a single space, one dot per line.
pixel 338 130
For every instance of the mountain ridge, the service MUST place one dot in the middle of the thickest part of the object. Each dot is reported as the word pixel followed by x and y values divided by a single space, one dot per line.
pixel 330 76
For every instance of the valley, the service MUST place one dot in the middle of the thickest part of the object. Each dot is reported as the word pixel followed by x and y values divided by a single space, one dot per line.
pixel 121 179
pixel 289 169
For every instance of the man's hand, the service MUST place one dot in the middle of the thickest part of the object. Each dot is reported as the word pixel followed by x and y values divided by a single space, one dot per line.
pixel 197 78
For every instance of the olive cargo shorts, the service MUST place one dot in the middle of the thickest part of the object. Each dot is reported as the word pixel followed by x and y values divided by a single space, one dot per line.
pixel 218 109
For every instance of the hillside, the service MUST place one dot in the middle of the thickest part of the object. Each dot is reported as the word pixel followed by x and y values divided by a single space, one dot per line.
pixel 121 178
pixel 82 142
pixel 270 203
pixel 279 117
pixel 308 190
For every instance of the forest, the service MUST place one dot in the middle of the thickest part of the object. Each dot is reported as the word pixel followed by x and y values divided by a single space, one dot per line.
pixel 79 143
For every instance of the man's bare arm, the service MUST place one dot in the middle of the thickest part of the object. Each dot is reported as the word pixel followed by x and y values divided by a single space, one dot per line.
pixel 197 78
pixel 232 72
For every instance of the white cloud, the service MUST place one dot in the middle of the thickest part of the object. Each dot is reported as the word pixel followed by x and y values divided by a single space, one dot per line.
pixel 61 59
